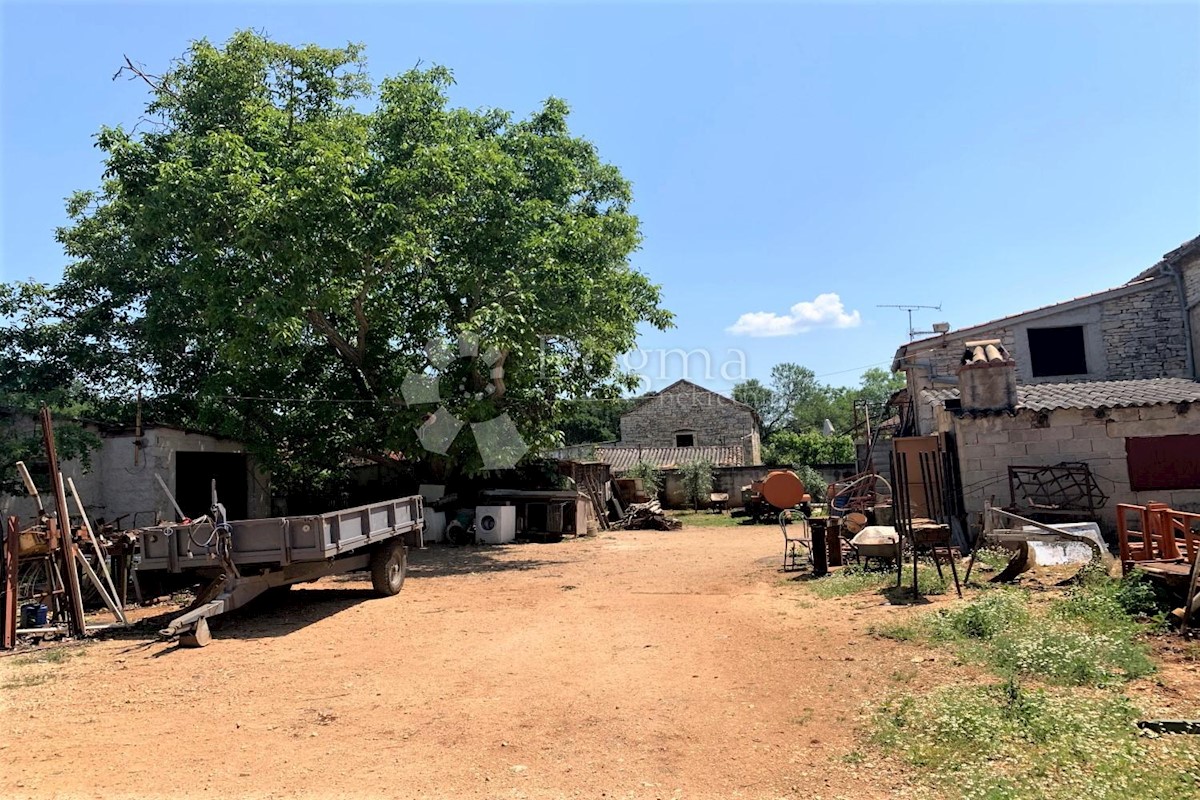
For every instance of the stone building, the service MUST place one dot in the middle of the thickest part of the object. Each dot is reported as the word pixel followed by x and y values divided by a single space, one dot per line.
pixel 1146 328
pixel 686 415
pixel 1108 379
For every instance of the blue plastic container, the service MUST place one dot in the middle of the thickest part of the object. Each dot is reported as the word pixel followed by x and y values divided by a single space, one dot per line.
pixel 34 615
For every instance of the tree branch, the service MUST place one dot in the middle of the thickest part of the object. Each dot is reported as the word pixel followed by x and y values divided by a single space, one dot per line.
pixel 155 82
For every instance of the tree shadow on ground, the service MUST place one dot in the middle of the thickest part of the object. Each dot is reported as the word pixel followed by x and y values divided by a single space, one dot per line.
pixel 279 613
pixel 435 562
pixel 903 596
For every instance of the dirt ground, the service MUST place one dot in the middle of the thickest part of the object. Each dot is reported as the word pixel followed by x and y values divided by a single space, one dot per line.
pixel 635 664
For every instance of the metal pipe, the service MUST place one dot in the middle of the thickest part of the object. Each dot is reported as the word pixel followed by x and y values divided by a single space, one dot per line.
pixel 1175 272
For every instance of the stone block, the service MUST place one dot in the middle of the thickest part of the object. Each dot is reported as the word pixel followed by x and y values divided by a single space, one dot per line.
pixel 1012 450
pixel 1157 412
pixel 1044 448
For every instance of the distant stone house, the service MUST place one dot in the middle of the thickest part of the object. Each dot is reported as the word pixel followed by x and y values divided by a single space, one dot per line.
pixel 685 415
pixel 1108 379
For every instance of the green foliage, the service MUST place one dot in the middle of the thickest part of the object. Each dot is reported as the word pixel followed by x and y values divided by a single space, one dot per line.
pixel 269 254
pixel 814 482
pixel 853 579
pixel 1003 741
pixel 591 420
pixel 786 448
pixel 984 618
pixel 1084 639
pixel 650 474
pixel 795 400
pixel 697 479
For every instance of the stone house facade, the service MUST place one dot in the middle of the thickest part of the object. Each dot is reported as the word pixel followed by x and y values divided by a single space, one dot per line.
pixel 1147 328
pixel 687 415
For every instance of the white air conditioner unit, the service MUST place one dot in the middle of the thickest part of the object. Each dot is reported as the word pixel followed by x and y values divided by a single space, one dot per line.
pixel 496 524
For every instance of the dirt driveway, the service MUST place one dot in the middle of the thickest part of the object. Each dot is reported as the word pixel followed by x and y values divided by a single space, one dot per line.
pixel 635 664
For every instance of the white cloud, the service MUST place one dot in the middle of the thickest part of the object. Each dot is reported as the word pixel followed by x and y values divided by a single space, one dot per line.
pixel 825 311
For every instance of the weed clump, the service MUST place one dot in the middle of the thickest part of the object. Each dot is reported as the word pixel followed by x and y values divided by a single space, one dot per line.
pixel 1006 741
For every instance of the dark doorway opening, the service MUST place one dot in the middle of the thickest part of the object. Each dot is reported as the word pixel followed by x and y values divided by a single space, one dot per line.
pixel 194 474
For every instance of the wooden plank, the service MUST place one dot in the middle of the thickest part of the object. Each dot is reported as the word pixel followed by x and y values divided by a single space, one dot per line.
pixel 75 619
pixel 12 544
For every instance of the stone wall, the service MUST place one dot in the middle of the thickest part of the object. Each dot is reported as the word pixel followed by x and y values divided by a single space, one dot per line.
pixel 687 408
pixel 987 446
pixel 1129 333
pixel 1144 334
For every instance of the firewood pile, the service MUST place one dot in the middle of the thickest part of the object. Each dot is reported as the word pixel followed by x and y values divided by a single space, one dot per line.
pixel 643 516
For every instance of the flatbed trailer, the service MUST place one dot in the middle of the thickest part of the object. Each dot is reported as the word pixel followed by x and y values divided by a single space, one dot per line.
pixel 244 558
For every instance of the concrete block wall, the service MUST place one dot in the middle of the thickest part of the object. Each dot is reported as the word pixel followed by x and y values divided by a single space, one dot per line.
pixel 114 486
pixel 987 446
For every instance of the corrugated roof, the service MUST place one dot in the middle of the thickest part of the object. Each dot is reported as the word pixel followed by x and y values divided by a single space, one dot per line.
pixel 623 458
pixel 1092 394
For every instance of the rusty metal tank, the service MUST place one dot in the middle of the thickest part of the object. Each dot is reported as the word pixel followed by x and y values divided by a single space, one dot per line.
pixel 782 488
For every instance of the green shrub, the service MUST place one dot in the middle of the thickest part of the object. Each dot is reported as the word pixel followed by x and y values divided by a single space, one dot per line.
pixel 813 482
pixel 650 475
pixel 1084 639
pixel 982 618
pixel 697 479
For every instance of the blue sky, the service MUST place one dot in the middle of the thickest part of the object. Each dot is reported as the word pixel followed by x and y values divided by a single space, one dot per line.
pixel 990 158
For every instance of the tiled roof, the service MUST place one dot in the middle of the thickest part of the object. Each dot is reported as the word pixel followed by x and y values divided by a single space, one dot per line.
pixel 1092 394
pixel 623 458
pixel 985 352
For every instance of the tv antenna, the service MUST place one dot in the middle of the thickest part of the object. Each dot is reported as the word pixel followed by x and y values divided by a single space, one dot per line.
pixel 913 333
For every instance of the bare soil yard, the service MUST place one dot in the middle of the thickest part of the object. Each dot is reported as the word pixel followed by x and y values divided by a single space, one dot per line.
pixel 633 664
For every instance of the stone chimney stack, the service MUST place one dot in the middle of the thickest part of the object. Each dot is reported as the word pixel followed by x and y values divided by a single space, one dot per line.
pixel 987 379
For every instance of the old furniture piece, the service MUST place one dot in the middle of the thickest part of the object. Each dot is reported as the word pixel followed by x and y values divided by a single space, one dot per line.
pixel 244 558
pixel 796 543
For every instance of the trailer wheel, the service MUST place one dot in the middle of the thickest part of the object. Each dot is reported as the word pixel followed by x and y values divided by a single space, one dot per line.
pixel 388 565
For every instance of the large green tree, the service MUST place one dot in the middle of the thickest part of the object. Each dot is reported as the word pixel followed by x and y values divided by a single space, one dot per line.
pixel 795 400
pixel 273 247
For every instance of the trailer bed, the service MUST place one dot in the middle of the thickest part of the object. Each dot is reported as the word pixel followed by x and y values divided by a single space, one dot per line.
pixel 280 541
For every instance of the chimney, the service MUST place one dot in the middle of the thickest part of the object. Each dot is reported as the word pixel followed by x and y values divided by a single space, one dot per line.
pixel 987 379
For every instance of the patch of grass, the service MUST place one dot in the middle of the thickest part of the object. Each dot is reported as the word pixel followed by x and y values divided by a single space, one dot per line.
pixel 57 655
pixel 25 681
pixel 1003 741
pixel 703 519
pixel 900 631
pixel 853 579
pixel 1084 639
